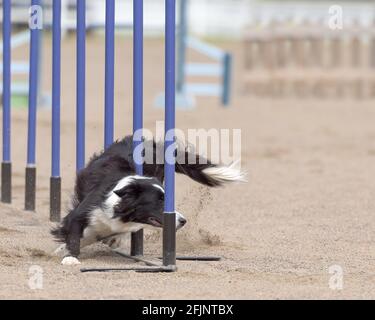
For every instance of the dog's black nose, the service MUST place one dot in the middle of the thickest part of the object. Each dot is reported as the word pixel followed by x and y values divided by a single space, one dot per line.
pixel 182 221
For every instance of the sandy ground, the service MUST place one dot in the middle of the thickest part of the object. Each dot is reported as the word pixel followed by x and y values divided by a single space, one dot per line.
pixel 307 205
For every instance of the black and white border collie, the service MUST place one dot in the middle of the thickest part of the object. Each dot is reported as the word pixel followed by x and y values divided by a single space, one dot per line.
pixel 110 200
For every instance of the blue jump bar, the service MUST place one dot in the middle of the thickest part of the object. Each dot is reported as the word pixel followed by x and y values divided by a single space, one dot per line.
pixel 205 49
pixel 81 83
pixel 17 68
pixel 56 87
pixel 138 80
pixel 18 40
pixel 109 72
pixel 204 69
pixel 6 80
pixel 170 111
pixel 33 91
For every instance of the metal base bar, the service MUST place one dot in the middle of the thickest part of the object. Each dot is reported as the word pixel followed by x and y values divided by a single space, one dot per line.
pixel 137 243
pixel 30 188
pixel 6 182
pixel 149 269
pixel 169 239
pixel 137 259
pixel 196 258
pixel 55 199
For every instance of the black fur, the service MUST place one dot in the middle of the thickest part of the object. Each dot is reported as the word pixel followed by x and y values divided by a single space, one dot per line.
pixel 140 201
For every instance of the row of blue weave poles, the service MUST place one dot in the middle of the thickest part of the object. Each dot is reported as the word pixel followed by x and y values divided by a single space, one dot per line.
pixel 35 38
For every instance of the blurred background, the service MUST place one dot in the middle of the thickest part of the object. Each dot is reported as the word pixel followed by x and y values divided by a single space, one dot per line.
pixel 217 18
pixel 298 79
pixel 284 48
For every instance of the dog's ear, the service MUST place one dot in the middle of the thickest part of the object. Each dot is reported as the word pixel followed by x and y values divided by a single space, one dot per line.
pixel 120 192
pixel 131 191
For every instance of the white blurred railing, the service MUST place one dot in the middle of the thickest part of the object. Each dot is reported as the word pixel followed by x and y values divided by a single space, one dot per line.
pixel 212 18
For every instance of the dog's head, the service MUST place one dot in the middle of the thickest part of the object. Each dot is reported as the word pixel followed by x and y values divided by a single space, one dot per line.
pixel 141 200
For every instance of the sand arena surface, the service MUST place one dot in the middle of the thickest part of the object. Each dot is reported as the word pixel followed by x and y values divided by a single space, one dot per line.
pixel 308 204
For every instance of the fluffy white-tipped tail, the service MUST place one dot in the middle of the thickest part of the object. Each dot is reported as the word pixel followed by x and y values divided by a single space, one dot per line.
pixel 226 174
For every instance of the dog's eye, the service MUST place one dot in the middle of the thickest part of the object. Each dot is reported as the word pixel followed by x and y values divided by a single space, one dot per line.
pixel 161 197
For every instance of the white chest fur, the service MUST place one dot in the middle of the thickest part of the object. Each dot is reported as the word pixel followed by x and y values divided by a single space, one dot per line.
pixel 102 225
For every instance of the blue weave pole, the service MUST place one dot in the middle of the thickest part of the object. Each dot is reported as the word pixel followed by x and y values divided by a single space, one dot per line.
pixel 181 45
pixel 81 84
pixel 56 87
pixel 35 38
pixel 137 238
pixel 109 72
pixel 170 114
pixel 6 166
pixel 169 225
pixel 55 182
pixel 33 89
pixel 138 81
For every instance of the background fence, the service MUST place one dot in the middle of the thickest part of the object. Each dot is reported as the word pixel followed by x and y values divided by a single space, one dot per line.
pixel 310 60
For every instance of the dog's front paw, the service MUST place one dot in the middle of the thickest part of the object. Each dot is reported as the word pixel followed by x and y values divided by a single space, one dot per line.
pixel 70 261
